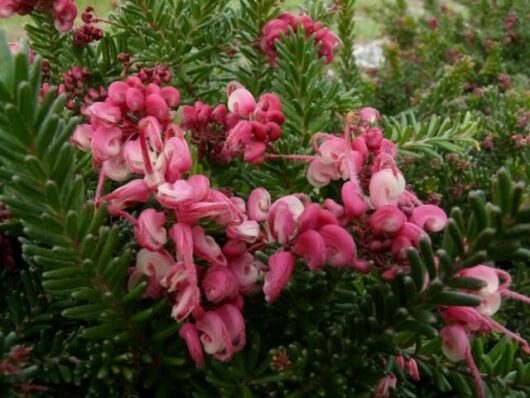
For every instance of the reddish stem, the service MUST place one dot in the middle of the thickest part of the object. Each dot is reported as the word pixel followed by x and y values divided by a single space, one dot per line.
pixel 475 373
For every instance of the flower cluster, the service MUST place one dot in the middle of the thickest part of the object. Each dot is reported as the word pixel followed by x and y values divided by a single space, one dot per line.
pixel 88 32
pixel 387 218
pixel 125 132
pixel 64 11
pixel 245 126
pixel 464 322
pixel 287 22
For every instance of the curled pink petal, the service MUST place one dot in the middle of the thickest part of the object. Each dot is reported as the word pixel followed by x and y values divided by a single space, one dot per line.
pixel 150 232
pixel 234 323
pixel 386 188
pixel 340 247
pixel 281 265
pixel 220 283
pixel 429 217
pixel 214 336
pixel 242 102
pixel 259 203
pixel 387 219
pixel 206 247
pixel 189 333
pixel 311 247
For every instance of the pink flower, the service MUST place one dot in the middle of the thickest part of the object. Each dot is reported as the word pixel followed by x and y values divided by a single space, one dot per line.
pixel 190 334
pixel 320 174
pixel 157 107
pixel 117 92
pixel 283 218
pixel 387 219
pixel 178 158
pixel 134 98
pixel 105 112
pixel 186 301
pixel 234 323
pixel 259 203
pixel 486 274
pixel 382 390
pixel 214 336
pixel 313 217
pixel 386 188
pixel 354 203
pixel 220 283
pixel 247 271
pixel 82 137
pixel 7 8
pixel 151 129
pixel 242 102
pixel 150 232
pixel 247 231
pixel 182 235
pixel 281 265
pixel 175 194
pixel 340 247
pixel 177 277
pixel 135 191
pixel 429 217
pixel 311 247
pixel 106 142
pixel 171 95
pixel 206 247
pixel 116 168
pixel 153 263
pixel 369 115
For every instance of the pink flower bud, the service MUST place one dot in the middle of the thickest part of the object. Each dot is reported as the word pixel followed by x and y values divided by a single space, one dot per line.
pixel 82 137
pixel 382 390
pixel 104 112
pixel 117 92
pixel 311 247
pixel 259 203
pixel 157 107
pixel 340 247
pixel 234 248
pixel 189 333
pixel 269 102
pixel 387 219
pixel 201 186
pixel 7 8
pixel 220 283
pixel 354 202
pixel 388 147
pixel 369 115
pixel 386 187
pixel 429 217
pixel 281 265
pixel 242 102
pixel 134 98
pixel 171 95
pixel 150 232
pixel 373 138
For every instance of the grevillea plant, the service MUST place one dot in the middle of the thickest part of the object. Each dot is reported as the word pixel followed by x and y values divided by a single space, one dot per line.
pixel 213 217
